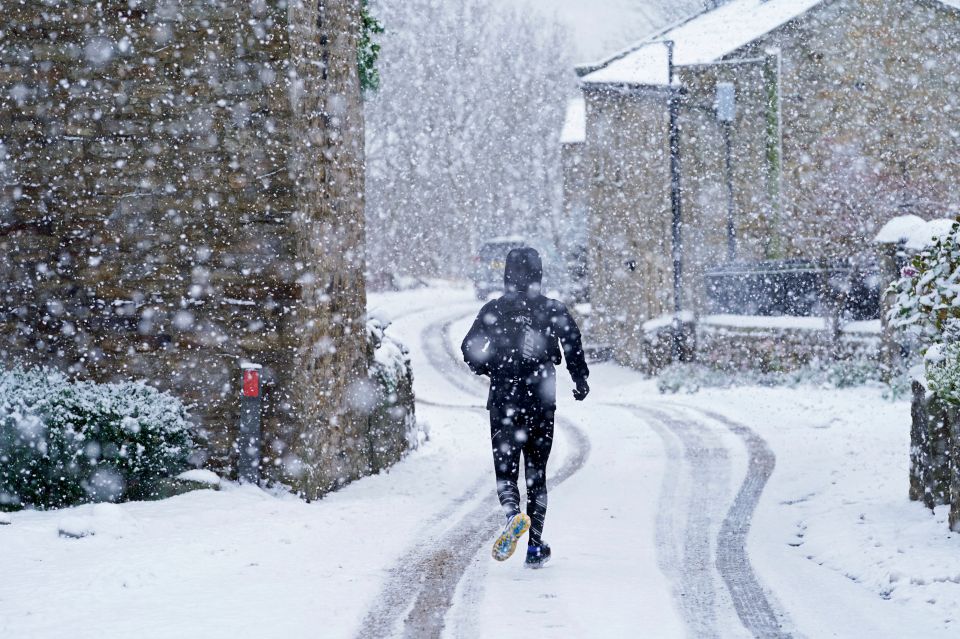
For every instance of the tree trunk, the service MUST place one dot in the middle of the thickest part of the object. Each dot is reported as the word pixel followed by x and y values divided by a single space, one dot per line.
pixel 333 395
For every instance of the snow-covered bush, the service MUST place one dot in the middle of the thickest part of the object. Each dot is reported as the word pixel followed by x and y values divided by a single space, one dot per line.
pixel 928 291
pixel 65 443
pixel 928 305
pixel 942 363
pixel 393 425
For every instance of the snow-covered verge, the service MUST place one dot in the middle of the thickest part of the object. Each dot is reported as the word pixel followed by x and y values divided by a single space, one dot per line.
pixel 244 562
pixel 392 423
pixel 839 502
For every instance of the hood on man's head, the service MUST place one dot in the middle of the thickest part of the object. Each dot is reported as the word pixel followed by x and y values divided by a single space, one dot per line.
pixel 523 269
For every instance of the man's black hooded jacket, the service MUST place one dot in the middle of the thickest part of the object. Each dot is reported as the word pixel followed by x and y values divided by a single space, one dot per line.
pixel 495 346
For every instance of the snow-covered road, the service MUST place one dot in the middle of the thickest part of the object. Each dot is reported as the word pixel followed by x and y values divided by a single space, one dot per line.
pixel 690 515
pixel 730 513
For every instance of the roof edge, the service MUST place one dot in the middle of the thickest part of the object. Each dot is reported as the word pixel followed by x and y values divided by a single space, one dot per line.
pixel 653 36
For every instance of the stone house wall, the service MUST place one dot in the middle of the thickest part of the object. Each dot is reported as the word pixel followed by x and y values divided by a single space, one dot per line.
pixel 575 187
pixel 148 203
pixel 870 98
pixel 629 216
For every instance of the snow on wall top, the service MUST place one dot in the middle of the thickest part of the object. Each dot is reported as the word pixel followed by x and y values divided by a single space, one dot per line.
pixel 575 124
pixel 900 229
pixel 915 233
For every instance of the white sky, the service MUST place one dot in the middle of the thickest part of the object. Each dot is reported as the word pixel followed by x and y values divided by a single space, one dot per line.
pixel 602 27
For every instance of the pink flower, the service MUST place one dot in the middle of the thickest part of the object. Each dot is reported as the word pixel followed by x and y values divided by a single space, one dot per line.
pixel 908 271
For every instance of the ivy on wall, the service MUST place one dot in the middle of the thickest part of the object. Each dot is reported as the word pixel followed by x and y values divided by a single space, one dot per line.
pixel 367 50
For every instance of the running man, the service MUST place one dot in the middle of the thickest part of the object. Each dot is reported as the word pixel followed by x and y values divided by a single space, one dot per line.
pixel 516 341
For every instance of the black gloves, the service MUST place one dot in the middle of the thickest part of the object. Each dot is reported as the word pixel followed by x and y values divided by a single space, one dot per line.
pixel 581 391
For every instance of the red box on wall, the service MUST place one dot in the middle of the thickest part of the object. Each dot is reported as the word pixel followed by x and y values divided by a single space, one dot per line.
pixel 251 382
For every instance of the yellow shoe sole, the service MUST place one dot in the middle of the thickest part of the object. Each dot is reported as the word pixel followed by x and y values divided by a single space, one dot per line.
pixel 506 543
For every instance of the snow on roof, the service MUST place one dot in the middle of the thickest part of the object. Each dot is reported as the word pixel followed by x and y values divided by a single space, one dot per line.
pixel 704 38
pixel 913 232
pixel 575 124
pixel 647 65
pixel 701 39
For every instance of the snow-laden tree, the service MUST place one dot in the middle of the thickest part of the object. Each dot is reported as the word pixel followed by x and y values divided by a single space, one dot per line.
pixel 462 137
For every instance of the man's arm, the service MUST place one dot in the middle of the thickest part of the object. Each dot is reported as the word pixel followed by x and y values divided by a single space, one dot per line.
pixel 572 342
pixel 477 346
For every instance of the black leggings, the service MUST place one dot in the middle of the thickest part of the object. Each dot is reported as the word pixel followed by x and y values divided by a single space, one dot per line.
pixel 530 431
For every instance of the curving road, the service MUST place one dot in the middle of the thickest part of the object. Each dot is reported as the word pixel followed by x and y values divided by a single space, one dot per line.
pixel 701 528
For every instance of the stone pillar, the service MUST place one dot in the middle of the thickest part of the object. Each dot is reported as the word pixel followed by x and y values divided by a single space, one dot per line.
pixel 954 467
pixel 931 449
pixel 331 391
pixel 181 191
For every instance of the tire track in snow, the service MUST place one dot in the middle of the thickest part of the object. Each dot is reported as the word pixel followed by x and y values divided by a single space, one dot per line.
pixel 421 587
pixel 753 607
pixel 691 567
pixel 707 467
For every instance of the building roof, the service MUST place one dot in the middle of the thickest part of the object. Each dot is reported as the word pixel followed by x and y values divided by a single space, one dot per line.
pixel 646 65
pixel 701 39
pixel 575 124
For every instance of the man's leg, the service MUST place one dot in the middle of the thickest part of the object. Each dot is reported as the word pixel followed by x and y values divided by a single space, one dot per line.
pixel 506 457
pixel 536 452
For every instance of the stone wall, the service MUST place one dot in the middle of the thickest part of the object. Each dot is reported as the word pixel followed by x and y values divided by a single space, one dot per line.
pixel 758 347
pixel 935 453
pixel 158 216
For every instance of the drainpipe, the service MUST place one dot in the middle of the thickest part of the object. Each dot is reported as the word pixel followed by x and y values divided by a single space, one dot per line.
pixel 675 205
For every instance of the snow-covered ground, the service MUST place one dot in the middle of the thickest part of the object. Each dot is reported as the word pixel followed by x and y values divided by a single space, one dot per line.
pixel 649 482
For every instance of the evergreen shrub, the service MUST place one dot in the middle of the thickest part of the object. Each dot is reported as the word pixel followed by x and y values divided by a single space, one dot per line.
pixel 64 443
pixel 928 305
pixel 942 363
pixel 928 291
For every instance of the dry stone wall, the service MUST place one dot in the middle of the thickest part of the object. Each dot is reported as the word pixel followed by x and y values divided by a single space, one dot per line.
pixel 935 453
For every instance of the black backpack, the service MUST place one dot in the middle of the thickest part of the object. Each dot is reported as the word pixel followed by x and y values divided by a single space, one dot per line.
pixel 525 341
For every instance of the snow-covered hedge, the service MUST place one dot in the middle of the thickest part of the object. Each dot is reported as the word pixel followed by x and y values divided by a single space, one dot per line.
pixel 928 292
pixel 65 443
pixel 393 427
pixel 942 363
pixel 928 305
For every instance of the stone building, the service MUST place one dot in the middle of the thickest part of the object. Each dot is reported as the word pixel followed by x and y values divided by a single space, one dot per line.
pixel 575 177
pixel 163 214
pixel 847 114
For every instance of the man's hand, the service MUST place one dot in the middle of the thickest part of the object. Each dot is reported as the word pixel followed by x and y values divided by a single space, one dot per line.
pixel 581 391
